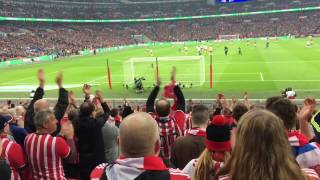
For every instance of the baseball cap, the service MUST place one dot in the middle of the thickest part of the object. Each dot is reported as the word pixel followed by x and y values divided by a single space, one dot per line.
pixel 4 120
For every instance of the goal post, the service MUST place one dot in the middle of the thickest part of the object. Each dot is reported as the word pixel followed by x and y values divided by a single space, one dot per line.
pixel 190 69
pixel 229 37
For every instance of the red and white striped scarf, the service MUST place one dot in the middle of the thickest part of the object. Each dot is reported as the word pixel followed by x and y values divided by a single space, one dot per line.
pixel 131 168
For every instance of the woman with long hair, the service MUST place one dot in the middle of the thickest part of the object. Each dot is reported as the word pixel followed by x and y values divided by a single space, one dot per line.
pixel 217 151
pixel 262 151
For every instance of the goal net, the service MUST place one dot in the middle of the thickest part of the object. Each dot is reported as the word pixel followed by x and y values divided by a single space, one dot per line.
pixel 190 70
pixel 229 37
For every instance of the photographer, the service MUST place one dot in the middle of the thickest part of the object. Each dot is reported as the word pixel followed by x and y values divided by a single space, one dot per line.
pixel 138 84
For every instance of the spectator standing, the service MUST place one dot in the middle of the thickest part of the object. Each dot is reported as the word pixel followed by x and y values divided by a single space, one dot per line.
pixel 259 132
pixel 38 103
pixel 5 170
pixel 192 144
pixel 45 152
pixel 11 152
pixel 88 129
pixel 140 147
pixel 171 124
pixel 110 134
pixel 306 154
pixel 217 151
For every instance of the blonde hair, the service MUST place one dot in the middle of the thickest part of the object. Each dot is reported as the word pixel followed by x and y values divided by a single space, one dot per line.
pixel 262 151
pixel 204 167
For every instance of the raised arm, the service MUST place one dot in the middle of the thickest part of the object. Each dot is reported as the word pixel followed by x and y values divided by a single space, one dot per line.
pixel 103 103
pixel 40 90
pixel 62 104
pixel 72 103
pixel 67 131
pixel 181 102
pixel 304 116
pixel 152 97
pixel 86 89
pixel 37 95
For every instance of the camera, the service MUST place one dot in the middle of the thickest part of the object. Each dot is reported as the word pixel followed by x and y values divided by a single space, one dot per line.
pixel 288 93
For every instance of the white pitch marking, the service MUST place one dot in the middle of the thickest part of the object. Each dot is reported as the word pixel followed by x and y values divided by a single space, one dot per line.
pixel 261 76
pixel 22 79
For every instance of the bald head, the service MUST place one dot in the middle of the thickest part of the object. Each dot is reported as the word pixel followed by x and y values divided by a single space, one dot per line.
pixel 40 104
pixel 139 136
pixel 20 110
pixel 163 107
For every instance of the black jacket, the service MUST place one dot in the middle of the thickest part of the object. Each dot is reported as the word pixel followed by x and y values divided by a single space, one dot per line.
pixel 181 102
pixel 59 108
pixel 88 130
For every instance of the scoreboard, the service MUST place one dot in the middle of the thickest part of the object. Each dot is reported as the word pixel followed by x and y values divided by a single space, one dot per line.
pixel 231 1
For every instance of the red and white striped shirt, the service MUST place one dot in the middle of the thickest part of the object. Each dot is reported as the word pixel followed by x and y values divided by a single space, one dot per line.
pixel 45 154
pixel 14 156
pixel 169 132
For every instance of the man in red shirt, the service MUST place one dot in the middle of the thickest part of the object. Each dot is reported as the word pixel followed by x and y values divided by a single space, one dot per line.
pixel 11 152
pixel 140 147
pixel 45 152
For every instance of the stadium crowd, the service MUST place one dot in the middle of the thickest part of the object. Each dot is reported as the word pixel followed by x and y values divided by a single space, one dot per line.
pixel 235 140
pixel 19 40
pixel 118 10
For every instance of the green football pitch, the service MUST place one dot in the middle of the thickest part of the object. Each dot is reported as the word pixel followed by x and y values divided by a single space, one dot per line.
pixel 259 71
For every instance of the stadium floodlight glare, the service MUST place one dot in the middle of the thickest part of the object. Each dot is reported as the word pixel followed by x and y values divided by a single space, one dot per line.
pixel 2 18
pixel 190 69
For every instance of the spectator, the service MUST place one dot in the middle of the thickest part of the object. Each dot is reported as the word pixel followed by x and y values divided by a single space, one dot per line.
pixel 16 123
pixel 307 111
pixel 5 133
pixel 45 152
pixel 110 134
pixel 217 151
pixel 89 133
pixel 271 100
pixel 37 104
pixel 193 143
pixel 5 170
pixel 307 155
pixel 71 166
pixel 238 110
pixel 11 152
pixel 140 146
pixel 114 118
pixel 315 122
pixel 259 132
pixel 171 125
pixel 127 110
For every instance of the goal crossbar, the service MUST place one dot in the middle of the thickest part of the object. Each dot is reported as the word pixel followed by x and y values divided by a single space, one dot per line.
pixel 129 65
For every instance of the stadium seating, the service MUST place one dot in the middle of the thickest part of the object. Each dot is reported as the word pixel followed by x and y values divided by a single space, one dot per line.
pixel 80 138
pixel 116 10
pixel 41 38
